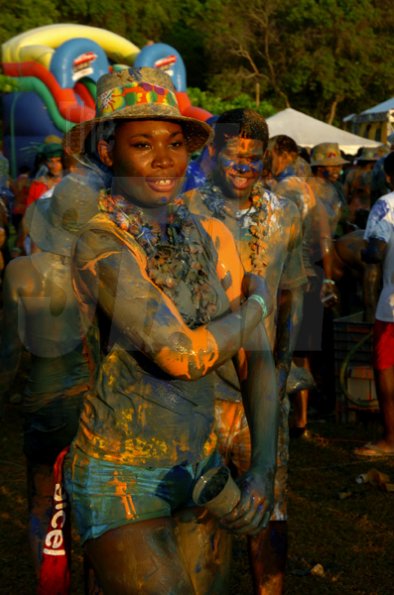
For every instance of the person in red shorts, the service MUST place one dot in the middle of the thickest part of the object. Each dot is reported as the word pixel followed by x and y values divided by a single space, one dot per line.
pixel 379 235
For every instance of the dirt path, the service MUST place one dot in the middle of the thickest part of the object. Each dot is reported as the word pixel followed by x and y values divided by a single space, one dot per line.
pixel 345 527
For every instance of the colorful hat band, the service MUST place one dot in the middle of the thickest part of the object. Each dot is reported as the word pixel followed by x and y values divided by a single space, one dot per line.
pixel 131 95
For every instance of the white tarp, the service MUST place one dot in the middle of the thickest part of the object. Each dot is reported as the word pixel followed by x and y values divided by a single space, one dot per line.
pixel 308 132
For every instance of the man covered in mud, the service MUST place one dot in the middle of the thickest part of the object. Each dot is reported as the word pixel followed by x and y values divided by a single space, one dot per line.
pixel 358 183
pixel 327 164
pixel 317 247
pixel 267 232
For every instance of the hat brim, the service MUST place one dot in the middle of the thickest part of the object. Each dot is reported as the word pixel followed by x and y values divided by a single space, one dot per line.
pixel 366 159
pixel 336 161
pixel 197 133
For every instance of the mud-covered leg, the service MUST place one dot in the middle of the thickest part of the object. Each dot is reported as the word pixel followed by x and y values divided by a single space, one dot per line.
pixel 206 551
pixel 267 554
pixel 139 558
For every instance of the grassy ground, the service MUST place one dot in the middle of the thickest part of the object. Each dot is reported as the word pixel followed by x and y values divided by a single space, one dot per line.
pixel 341 529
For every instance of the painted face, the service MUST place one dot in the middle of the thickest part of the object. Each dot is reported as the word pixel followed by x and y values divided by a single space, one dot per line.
pixel 55 166
pixel 239 165
pixel 148 160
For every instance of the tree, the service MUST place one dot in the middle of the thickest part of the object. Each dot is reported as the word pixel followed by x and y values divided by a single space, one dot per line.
pixel 328 58
pixel 18 17
pixel 316 56
pixel 216 105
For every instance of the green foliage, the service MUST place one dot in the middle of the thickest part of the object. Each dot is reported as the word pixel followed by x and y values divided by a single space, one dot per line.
pixel 137 20
pixel 310 54
pixel 216 105
pixel 325 57
pixel 18 17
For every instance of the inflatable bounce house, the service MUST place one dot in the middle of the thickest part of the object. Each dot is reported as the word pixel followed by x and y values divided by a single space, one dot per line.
pixel 56 69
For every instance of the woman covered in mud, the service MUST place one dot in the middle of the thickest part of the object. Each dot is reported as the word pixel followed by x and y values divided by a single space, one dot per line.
pixel 166 289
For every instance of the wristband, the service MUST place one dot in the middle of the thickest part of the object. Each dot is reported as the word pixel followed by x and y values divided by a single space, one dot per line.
pixel 261 301
pixel 329 281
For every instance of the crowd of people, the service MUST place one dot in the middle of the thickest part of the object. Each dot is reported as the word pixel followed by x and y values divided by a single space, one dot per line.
pixel 166 278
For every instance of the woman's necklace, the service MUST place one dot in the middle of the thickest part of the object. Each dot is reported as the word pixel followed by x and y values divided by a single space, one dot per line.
pixel 259 218
pixel 175 254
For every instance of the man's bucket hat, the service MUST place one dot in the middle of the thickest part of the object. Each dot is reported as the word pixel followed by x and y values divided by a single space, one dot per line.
pixel 327 154
pixel 137 94
pixel 368 154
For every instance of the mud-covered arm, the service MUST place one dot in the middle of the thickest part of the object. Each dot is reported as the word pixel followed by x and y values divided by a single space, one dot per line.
pixel 290 300
pixel 326 243
pixel 147 319
pixel 288 323
pixel 261 403
pixel 257 375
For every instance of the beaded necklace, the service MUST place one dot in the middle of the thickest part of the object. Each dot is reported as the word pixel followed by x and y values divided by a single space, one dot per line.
pixel 176 261
pixel 261 219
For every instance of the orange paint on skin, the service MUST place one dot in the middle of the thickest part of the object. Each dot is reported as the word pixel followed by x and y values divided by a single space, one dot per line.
pixel 210 444
pixel 121 489
pixel 129 452
pixel 227 259
pixel 91 265
pixel 201 354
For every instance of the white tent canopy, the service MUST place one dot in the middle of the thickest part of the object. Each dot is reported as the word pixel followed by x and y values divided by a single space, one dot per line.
pixel 308 132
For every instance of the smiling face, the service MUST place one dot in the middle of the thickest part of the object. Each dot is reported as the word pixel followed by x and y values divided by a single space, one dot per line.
pixel 55 166
pixel 148 160
pixel 331 172
pixel 239 165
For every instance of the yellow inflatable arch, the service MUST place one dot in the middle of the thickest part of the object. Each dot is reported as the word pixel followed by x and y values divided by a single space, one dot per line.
pixel 39 44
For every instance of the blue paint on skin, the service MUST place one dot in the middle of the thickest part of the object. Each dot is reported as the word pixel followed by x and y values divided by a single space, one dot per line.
pixel 242 168
pixel 254 165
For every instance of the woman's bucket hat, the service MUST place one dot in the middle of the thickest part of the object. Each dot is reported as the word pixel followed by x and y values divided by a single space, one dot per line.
pixel 137 94
pixel 327 154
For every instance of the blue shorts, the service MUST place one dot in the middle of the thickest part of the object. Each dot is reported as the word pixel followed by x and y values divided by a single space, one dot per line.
pixel 106 495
